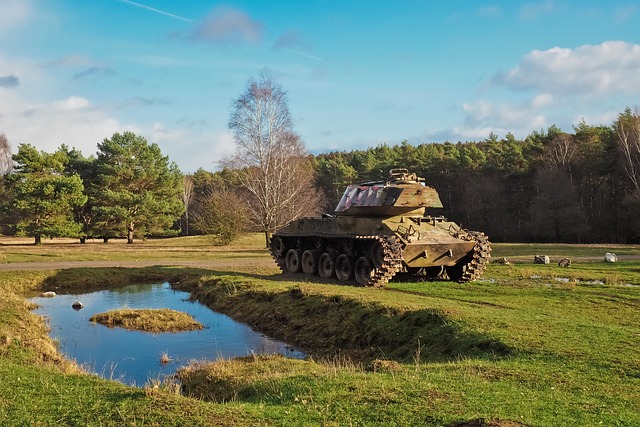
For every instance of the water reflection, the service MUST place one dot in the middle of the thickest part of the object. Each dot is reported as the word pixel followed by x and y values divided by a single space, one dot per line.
pixel 134 357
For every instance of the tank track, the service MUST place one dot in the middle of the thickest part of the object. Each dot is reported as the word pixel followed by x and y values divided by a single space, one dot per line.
pixel 479 259
pixel 280 261
pixel 391 260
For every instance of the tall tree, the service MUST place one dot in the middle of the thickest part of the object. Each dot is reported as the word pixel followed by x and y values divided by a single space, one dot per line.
pixel 187 200
pixel 270 161
pixel 561 152
pixel 6 163
pixel 43 196
pixel 627 128
pixel 86 169
pixel 138 191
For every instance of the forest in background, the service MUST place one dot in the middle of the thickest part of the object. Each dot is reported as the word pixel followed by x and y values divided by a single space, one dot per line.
pixel 553 186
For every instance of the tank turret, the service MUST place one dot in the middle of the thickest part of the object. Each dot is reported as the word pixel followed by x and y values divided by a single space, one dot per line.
pixel 402 194
pixel 379 229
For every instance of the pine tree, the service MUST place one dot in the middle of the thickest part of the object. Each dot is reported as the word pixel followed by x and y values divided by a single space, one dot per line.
pixel 138 192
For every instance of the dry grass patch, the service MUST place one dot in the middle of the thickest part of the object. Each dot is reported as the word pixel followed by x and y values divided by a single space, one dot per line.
pixel 244 378
pixel 148 320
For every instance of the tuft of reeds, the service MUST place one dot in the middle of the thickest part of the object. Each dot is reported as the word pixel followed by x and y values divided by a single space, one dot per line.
pixel 148 320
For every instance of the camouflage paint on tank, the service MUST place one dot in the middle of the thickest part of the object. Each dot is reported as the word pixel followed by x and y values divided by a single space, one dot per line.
pixel 390 216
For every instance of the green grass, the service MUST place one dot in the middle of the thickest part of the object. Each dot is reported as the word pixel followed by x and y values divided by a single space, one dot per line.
pixel 525 252
pixel 518 347
pixel 13 250
pixel 563 354
pixel 148 320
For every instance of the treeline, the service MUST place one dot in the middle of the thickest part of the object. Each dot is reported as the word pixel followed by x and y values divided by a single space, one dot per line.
pixel 552 186
pixel 129 190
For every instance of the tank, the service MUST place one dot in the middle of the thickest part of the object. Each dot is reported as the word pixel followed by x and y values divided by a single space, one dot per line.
pixel 380 229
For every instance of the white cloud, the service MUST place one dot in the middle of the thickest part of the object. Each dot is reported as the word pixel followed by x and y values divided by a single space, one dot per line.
pixel 605 118
pixel 563 86
pixel 589 70
pixel 14 14
pixel 71 103
pixel 189 148
pixel 75 122
pixel 27 116
pixel 22 70
pixel 68 121
pixel 542 100
pixel 507 117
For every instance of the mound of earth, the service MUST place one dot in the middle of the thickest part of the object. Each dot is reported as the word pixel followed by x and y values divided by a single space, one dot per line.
pixel 148 320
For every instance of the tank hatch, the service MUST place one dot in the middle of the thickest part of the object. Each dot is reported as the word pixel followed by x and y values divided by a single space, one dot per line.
pixel 403 193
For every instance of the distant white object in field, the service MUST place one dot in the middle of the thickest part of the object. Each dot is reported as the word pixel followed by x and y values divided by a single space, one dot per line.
pixel 48 294
pixel 609 257
pixel 541 259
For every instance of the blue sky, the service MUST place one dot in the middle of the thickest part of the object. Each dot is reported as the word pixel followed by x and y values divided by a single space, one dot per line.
pixel 357 73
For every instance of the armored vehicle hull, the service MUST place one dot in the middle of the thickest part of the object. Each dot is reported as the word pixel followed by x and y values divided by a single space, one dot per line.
pixel 379 230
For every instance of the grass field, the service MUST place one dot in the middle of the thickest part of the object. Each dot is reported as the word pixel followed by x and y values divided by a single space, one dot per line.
pixel 535 345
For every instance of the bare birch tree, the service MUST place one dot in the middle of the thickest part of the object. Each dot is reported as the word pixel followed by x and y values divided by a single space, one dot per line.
pixel 561 152
pixel 6 163
pixel 627 129
pixel 271 162
pixel 187 200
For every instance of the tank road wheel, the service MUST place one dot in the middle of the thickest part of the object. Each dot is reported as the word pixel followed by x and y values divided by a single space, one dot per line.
pixel 310 261
pixel 344 268
pixel 377 254
pixel 293 261
pixel 326 266
pixel 277 246
pixel 363 271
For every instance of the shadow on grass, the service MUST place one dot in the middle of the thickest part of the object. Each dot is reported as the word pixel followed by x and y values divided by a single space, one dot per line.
pixel 341 324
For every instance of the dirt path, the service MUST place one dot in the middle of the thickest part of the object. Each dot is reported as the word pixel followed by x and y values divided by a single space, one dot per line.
pixel 220 264
pixel 226 264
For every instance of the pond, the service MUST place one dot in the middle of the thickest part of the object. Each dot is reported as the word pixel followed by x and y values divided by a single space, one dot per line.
pixel 135 357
